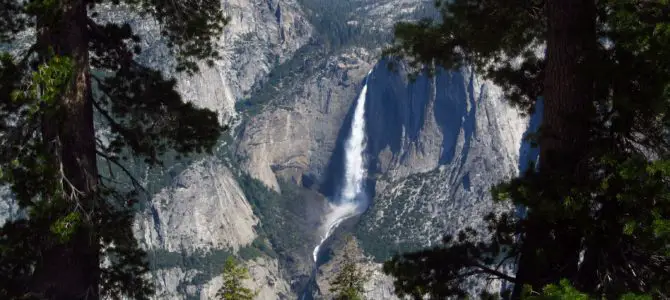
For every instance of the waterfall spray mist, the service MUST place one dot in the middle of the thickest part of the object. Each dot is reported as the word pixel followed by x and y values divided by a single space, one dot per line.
pixel 352 199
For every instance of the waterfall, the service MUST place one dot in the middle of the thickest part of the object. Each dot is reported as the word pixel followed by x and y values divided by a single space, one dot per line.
pixel 354 152
pixel 352 199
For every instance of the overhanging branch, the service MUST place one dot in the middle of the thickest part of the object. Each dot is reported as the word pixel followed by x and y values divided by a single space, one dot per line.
pixel 125 170
pixel 493 272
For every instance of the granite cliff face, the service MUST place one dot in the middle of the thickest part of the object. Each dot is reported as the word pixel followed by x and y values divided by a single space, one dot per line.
pixel 437 149
pixel 260 35
pixel 204 213
pixel 434 148
pixel 204 208
pixel 294 137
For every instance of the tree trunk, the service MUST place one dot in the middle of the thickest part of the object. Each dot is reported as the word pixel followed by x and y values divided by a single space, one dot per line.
pixel 568 107
pixel 71 270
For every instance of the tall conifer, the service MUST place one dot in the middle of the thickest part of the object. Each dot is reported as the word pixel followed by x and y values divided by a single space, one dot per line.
pixel 596 211
pixel 76 238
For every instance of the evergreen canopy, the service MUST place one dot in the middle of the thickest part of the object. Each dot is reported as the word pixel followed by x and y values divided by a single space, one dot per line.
pixel 597 208
pixel 232 287
pixel 349 282
pixel 75 237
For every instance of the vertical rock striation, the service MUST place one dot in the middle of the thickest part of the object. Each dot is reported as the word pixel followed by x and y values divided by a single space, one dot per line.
pixel 435 146
pixel 447 140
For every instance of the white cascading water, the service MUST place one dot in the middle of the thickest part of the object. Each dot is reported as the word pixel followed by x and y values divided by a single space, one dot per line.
pixel 352 199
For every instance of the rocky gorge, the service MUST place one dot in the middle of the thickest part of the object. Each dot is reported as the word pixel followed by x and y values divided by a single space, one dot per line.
pixel 287 84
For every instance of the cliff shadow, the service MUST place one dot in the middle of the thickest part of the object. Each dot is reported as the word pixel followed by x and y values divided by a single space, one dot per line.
pixel 453 94
pixel 395 111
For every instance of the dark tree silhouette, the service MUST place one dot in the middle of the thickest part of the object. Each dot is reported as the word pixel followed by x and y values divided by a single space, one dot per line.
pixel 597 209
pixel 76 237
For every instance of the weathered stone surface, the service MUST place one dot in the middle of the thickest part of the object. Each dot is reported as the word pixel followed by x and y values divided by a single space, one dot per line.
pixel 254 41
pixel 472 139
pixel 435 146
pixel 203 209
pixel 298 132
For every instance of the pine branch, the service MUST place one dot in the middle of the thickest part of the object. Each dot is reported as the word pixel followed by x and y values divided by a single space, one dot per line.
pixel 122 130
pixel 493 272
pixel 98 32
pixel 135 182
pixel 27 54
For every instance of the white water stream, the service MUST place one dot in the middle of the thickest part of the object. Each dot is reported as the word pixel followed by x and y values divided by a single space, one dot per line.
pixel 352 200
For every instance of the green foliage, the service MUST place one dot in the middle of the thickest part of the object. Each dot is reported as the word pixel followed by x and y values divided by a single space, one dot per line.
pixel 160 123
pixel 633 196
pixel 286 224
pixel 349 282
pixel 65 227
pixel 300 65
pixel 250 252
pixel 48 83
pixel 609 202
pixel 8 79
pixel 261 244
pixel 280 213
pixel 233 282
pixel 208 264
pixel 565 291
pixel 257 248
pixel 339 27
pixel 128 263
pixel 440 271
pixel 477 34
pixel 46 9
pixel 191 28
pixel 51 147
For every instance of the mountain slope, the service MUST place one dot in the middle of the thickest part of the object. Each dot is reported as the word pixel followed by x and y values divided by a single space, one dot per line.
pixel 434 174
pixel 291 72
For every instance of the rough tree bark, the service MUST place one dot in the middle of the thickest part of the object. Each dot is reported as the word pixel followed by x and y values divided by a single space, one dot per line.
pixel 568 102
pixel 71 270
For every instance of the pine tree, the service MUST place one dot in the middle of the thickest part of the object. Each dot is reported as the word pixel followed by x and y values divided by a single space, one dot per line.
pixel 596 211
pixel 565 291
pixel 349 283
pixel 61 170
pixel 233 282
